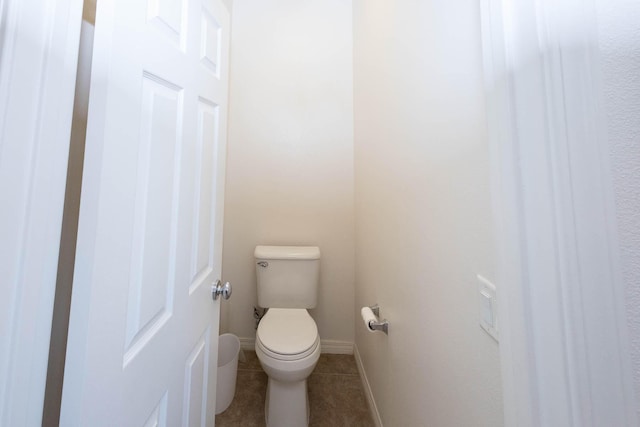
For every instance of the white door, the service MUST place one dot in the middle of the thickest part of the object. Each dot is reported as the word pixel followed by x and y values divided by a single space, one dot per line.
pixel 142 347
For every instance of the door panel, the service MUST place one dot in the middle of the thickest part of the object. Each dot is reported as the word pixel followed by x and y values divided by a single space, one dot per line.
pixel 151 282
pixel 143 335
pixel 195 391
pixel 210 42
pixel 158 417
pixel 204 223
pixel 168 18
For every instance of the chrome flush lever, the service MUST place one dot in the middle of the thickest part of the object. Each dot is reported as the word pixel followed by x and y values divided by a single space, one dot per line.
pixel 219 289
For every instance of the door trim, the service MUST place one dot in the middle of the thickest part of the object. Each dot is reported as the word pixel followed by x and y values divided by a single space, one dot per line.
pixel 39 47
pixel 564 345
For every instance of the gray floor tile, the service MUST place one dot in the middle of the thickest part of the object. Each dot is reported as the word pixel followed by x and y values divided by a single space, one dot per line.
pixel 337 401
pixel 251 362
pixel 336 397
pixel 247 407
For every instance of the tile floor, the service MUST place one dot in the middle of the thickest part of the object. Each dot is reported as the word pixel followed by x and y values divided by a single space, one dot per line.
pixel 336 396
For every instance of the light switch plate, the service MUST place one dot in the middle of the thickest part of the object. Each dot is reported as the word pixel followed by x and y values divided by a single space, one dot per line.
pixel 488 307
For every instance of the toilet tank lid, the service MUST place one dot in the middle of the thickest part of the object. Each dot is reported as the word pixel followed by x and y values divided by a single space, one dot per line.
pixel 287 252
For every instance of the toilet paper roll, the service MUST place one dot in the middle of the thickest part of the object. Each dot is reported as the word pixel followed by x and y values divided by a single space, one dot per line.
pixel 368 316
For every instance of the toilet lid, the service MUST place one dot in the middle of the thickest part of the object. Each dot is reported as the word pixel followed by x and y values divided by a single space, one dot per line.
pixel 287 331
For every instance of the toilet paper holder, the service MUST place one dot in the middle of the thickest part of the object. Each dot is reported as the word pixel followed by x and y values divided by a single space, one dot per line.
pixel 378 325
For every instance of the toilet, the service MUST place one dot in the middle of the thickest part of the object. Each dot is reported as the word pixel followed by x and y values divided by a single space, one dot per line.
pixel 287 340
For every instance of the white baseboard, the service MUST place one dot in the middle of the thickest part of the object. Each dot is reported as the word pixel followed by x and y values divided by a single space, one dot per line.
pixel 336 347
pixel 367 389
pixel 326 346
pixel 247 343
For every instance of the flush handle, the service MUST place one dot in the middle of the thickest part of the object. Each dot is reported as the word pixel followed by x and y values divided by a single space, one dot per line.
pixel 219 289
pixel 263 264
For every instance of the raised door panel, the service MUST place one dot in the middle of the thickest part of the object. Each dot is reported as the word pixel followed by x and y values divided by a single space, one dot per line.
pixel 169 18
pixel 210 40
pixel 203 229
pixel 151 282
pixel 196 382
pixel 158 417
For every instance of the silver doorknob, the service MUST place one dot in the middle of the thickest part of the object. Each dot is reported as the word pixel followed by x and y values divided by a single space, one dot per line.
pixel 219 289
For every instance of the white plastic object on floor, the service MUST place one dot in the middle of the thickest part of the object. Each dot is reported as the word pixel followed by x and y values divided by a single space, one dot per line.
pixel 228 349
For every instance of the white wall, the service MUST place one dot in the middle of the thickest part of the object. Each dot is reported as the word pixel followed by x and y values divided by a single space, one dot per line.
pixel 290 156
pixel 619 38
pixel 423 221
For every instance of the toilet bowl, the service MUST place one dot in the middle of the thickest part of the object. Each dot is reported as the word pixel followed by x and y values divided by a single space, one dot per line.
pixel 288 347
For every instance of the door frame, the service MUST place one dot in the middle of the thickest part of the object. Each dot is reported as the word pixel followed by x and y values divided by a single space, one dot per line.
pixel 38 56
pixel 563 341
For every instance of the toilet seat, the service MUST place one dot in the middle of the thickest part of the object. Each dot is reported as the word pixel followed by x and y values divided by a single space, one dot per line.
pixel 287 334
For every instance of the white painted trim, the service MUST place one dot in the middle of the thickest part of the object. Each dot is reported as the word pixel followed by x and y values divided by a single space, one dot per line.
pixel 564 350
pixel 517 368
pixel 373 408
pixel 336 347
pixel 38 57
pixel 327 346
pixel 247 344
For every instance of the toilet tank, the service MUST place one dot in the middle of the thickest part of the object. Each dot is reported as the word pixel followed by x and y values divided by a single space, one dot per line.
pixel 287 276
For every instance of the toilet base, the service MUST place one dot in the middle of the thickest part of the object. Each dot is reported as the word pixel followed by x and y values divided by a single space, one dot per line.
pixel 287 404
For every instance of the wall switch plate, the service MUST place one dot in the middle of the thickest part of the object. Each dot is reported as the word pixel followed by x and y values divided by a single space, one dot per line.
pixel 488 307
